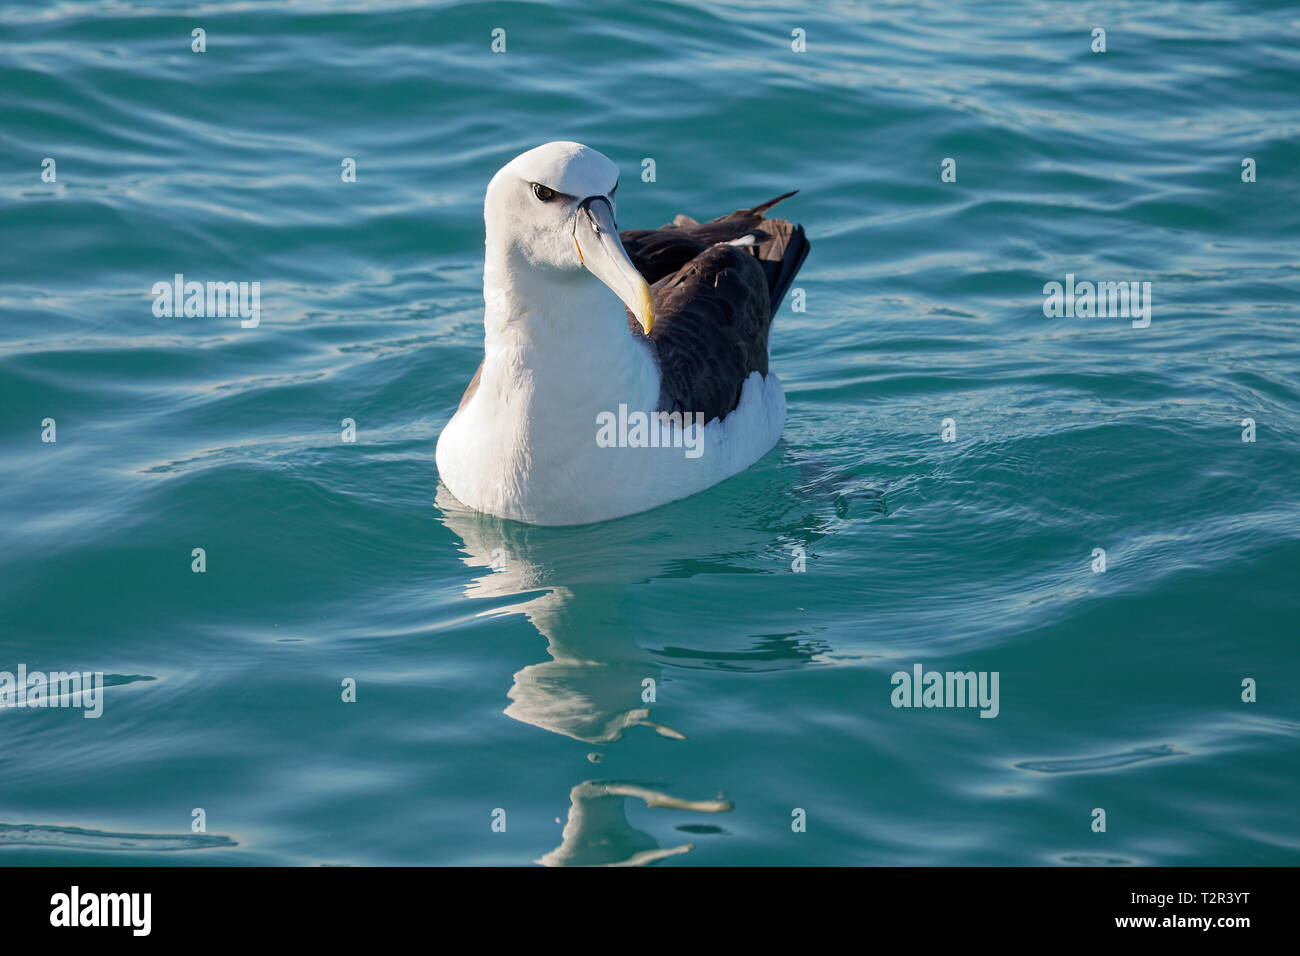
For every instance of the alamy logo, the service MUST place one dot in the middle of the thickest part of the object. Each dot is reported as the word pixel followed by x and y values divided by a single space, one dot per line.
pixel 103 909
pixel 1102 300
pixel 215 300
pixel 654 430
pixel 950 689
pixel 56 689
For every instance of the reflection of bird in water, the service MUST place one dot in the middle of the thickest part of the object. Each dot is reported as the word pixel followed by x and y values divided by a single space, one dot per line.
pixel 578 588
pixel 582 692
pixel 592 686
pixel 599 834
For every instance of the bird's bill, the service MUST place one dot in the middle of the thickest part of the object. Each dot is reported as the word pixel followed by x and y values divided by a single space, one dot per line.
pixel 602 252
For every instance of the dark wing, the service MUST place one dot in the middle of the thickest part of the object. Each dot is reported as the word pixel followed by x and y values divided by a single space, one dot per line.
pixel 714 301
pixel 710 330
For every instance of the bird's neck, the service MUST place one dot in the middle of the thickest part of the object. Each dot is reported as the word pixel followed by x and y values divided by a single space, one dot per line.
pixel 560 341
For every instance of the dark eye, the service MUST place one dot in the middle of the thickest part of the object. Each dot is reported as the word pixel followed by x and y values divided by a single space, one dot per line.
pixel 542 193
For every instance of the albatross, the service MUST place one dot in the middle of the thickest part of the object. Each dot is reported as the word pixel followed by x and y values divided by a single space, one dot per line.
pixel 620 371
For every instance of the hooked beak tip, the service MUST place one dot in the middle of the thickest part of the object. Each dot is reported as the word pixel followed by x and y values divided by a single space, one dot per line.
pixel 647 310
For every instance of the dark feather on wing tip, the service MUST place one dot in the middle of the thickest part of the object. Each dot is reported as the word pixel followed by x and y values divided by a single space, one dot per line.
pixel 772 202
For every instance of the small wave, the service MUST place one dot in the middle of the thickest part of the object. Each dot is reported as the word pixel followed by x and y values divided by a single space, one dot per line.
pixel 1104 762
pixel 75 838
pixel 1093 859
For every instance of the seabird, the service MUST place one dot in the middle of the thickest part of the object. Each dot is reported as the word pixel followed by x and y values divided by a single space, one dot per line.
pixel 563 360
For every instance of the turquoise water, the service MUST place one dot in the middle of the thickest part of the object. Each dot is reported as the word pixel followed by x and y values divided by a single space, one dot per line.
pixel 520 688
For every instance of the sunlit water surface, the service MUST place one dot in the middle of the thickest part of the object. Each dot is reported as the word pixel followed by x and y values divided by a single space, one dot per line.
pixel 517 692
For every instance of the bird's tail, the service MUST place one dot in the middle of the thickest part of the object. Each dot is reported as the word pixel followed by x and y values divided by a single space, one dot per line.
pixel 781 249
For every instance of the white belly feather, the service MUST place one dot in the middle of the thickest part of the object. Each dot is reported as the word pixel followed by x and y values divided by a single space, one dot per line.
pixel 513 458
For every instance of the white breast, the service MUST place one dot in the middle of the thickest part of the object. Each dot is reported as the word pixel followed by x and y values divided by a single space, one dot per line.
pixel 504 455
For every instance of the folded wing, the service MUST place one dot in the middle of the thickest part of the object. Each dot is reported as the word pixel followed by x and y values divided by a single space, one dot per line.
pixel 716 285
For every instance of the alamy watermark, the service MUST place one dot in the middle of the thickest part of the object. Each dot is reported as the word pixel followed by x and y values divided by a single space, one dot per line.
pixel 923 688
pixel 75 908
pixel 639 429
pixel 56 689
pixel 1101 300
pixel 213 300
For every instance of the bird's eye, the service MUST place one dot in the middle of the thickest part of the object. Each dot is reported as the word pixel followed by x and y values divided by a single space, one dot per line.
pixel 542 193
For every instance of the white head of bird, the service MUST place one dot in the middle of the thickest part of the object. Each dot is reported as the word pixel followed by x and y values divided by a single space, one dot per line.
pixel 552 239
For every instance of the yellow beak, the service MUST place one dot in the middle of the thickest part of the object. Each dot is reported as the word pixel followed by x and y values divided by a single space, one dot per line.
pixel 602 252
